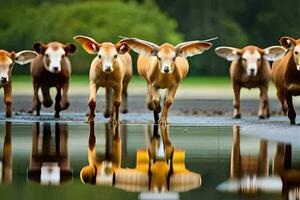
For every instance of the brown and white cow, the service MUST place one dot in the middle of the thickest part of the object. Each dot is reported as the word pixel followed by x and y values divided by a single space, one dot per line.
pixel 111 69
pixel 163 67
pixel 286 76
pixel 250 69
pixel 51 68
pixel 7 61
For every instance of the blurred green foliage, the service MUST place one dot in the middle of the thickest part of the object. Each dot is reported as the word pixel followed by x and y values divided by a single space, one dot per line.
pixel 102 20
pixel 235 23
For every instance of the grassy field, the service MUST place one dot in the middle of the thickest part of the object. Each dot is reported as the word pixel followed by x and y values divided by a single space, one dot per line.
pixel 191 87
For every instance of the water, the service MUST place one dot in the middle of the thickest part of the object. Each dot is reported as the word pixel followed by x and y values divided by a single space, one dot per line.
pixel 79 161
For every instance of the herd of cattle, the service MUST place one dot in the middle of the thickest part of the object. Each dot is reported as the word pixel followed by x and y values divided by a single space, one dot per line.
pixel 163 67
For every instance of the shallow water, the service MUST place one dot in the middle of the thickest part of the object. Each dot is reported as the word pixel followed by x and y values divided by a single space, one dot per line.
pixel 79 161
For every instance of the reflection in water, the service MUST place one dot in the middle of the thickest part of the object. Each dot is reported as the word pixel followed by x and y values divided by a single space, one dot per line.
pixel 49 161
pixel 290 176
pixel 159 168
pixel 250 174
pixel 101 168
pixel 6 161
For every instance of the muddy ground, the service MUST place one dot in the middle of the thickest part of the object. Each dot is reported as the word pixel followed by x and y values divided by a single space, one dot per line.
pixel 181 106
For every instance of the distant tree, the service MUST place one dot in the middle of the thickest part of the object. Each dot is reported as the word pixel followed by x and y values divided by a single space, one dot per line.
pixel 102 20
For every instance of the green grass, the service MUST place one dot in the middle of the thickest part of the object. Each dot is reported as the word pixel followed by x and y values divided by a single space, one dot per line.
pixel 83 80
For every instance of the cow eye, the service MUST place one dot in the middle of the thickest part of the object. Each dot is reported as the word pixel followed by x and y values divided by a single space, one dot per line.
pixel 296 52
pixel 174 58
pixel 158 58
pixel 244 59
pixel 115 56
pixel 99 56
pixel 47 55
pixel 62 56
pixel 258 60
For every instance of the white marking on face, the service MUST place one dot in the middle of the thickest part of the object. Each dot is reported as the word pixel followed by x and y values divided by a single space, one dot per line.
pixel 5 66
pixel 250 60
pixel 54 57
pixel 107 57
pixel 297 56
pixel 166 62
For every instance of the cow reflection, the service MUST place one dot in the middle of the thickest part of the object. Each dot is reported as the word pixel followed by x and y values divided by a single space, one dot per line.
pixel 290 176
pixel 249 174
pixel 100 169
pixel 160 168
pixel 49 161
pixel 6 161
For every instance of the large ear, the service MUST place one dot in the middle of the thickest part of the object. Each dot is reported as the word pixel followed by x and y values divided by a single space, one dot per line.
pixel 24 57
pixel 122 48
pixel 274 53
pixel 141 47
pixel 229 53
pixel 69 48
pixel 39 47
pixel 287 42
pixel 187 49
pixel 89 44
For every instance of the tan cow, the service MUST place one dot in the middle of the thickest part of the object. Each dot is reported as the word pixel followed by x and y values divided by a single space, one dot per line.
pixel 250 69
pixel 51 68
pixel 7 61
pixel 163 67
pixel 285 74
pixel 111 69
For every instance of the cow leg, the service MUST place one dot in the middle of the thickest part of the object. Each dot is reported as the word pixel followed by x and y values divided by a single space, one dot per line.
pixel 125 97
pixel 117 98
pixel 92 102
pixel 167 104
pixel 36 103
pixel 291 110
pixel 264 103
pixel 107 102
pixel 65 103
pixel 281 97
pixel 58 98
pixel 47 101
pixel 236 101
pixel 8 99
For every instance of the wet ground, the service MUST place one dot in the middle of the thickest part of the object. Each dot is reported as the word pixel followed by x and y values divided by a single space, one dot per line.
pixel 203 153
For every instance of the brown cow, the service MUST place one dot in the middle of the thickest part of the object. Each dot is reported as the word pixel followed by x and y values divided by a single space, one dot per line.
pixel 51 68
pixel 250 69
pixel 111 69
pixel 7 61
pixel 285 74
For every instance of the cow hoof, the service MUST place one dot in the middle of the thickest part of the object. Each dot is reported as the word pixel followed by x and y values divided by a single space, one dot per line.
pixel 106 114
pixel 262 117
pixel 292 122
pixel 125 110
pixel 90 120
pixel 47 104
pixel 66 106
pixel 8 115
pixel 56 115
pixel 238 116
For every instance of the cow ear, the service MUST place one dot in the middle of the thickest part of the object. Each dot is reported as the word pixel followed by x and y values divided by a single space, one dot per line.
pixel 70 48
pixel 273 53
pixel 39 47
pixel 88 44
pixel 122 48
pixel 191 48
pixel 229 53
pixel 24 57
pixel 287 42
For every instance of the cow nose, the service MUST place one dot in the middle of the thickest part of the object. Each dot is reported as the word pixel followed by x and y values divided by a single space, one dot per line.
pixel 55 69
pixel 3 79
pixel 166 69
pixel 107 68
